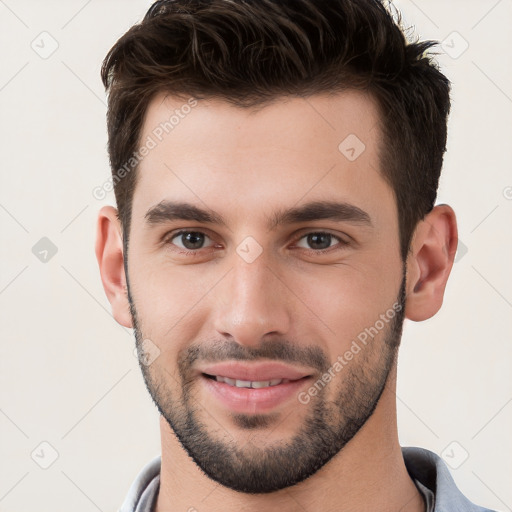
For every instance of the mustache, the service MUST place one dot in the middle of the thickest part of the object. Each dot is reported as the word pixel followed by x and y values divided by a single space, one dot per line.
pixel 275 350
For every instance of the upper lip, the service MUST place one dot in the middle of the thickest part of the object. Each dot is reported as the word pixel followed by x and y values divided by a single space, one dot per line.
pixel 255 371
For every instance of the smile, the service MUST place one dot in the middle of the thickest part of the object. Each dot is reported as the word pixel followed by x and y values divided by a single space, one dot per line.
pixel 247 383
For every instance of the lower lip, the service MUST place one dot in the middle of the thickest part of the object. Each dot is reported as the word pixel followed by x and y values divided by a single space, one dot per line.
pixel 253 400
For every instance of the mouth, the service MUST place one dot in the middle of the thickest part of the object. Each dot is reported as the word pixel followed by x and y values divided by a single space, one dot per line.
pixel 254 384
pixel 253 387
pixel 261 374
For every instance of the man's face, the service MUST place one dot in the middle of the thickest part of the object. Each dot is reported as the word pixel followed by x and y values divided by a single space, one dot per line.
pixel 304 292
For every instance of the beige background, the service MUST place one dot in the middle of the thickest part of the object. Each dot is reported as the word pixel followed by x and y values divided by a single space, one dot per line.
pixel 68 376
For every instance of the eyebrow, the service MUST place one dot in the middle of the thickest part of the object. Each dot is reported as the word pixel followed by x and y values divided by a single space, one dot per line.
pixel 166 211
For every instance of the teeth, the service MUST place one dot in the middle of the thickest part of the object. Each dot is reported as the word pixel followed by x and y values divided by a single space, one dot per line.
pixel 260 384
pixel 250 384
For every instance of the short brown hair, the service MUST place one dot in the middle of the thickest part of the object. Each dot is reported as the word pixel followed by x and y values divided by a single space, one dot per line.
pixel 250 52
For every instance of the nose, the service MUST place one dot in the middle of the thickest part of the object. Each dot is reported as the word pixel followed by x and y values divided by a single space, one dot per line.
pixel 252 302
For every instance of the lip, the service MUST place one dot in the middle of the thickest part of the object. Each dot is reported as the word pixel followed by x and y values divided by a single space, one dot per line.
pixel 256 371
pixel 253 400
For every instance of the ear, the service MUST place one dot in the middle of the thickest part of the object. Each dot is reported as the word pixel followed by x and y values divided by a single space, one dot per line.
pixel 429 262
pixel 109 253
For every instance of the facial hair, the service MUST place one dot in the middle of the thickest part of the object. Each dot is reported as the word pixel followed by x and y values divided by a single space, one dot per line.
pixel 329 424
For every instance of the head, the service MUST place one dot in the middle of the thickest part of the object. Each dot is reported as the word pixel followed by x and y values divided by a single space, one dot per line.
pixel 294 123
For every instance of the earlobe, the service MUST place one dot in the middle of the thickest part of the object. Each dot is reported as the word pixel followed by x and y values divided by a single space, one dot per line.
pixel 430 261
pixel 109 253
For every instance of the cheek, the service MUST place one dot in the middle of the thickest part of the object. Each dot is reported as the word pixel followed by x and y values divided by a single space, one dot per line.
pixel 168 304
pixel 347 300
pixel 164 290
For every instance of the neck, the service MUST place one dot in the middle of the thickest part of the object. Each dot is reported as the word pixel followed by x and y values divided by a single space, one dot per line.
pixel 368 474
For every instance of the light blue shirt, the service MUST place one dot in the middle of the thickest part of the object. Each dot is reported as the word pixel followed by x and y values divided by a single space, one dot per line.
pixel 428 471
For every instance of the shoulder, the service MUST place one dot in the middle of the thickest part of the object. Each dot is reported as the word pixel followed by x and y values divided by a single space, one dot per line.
pixel 144 489
pixel 428 468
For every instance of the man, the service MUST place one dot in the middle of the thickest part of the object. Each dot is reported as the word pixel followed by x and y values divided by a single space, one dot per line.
pixel 275 166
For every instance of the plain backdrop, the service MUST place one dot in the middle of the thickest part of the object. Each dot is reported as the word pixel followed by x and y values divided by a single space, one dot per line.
pixel 72 396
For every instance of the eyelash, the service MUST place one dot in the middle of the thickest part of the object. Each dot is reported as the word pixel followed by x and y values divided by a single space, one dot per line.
pixel 187 252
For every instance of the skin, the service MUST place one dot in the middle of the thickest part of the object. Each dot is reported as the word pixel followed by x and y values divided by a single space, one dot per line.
pixel 245 164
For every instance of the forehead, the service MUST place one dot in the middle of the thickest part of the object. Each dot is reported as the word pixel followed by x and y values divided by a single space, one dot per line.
pixel 210 150
pixel 285 118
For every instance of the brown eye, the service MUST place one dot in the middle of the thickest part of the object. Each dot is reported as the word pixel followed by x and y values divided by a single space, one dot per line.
pixel 318 241
pixel 190 240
